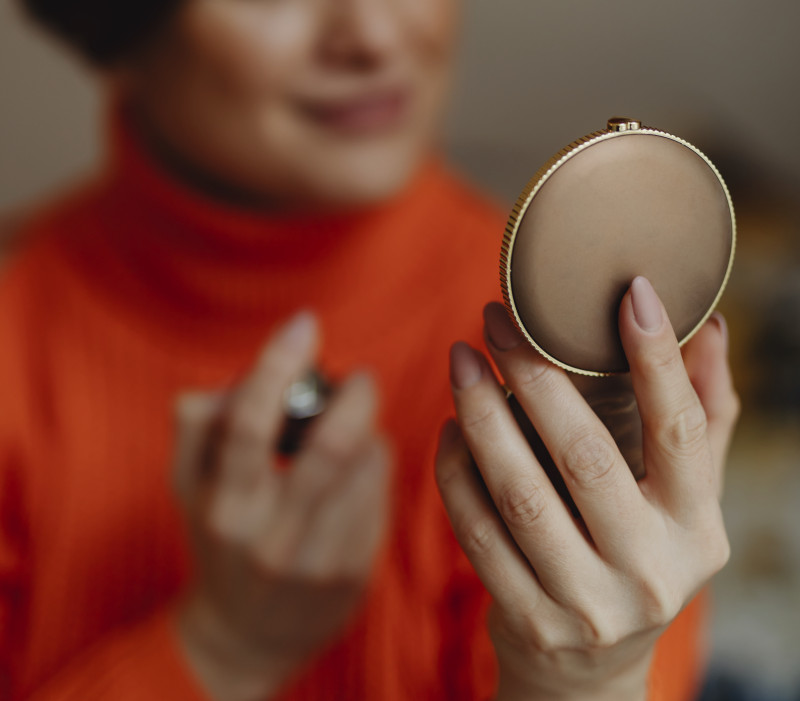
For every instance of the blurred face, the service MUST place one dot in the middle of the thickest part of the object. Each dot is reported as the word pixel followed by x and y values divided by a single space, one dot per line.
pixel 303 103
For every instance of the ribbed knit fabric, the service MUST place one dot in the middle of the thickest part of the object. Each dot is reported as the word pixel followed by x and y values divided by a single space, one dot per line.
pixel 134 289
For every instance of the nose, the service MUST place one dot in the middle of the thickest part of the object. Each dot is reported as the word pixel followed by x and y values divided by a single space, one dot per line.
pixel 362 34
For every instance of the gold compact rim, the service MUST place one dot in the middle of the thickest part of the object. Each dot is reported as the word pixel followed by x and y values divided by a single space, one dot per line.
pixel 536 183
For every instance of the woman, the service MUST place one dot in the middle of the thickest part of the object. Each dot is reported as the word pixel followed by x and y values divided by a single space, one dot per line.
pixel 271 175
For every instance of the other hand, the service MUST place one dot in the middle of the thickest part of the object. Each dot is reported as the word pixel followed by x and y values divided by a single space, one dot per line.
pixel 282 554
pixel 579 604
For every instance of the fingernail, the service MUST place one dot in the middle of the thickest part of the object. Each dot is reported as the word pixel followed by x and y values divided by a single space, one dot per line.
pixel 499 329
pixel 465 369
pixel 646 305
pixel 298 332
pixel 722 325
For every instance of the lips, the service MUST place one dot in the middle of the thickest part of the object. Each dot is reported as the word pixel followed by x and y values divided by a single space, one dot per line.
pixel 362 114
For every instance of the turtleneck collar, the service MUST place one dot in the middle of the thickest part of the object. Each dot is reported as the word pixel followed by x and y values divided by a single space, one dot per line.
pixel 174 257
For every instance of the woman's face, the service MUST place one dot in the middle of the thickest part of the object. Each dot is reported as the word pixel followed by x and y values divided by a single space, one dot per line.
pixel 306 103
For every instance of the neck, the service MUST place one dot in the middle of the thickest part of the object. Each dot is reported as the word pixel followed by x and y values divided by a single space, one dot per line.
pixel 182 168
pixel 157 243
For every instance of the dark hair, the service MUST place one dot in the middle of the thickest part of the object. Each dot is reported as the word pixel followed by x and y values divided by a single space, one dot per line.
pixel 104 31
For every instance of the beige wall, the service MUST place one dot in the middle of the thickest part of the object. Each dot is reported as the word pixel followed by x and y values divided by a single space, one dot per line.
pixel 536 74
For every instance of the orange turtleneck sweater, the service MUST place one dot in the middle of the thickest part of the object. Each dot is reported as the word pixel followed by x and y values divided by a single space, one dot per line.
pixel 133 289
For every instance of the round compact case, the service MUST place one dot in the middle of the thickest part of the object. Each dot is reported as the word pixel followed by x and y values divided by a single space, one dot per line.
pixel 626 201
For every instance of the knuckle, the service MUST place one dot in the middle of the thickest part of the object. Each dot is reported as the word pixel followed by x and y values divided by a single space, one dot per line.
pixel 659 602
pixel 247 426
pixel 218 528
pixel 521 504
pixel 716 550
pixel 268 563
pixel 335 446
pixel 734 408
pixel 662 360
pixel 596 624
pixel 589 459
pixel 534 376
pixel 723 554
pixel 598 632
pixel 477 536
pixel 473 420
pixel 523 630
pixel 448 469
pixel 547 639
pixel 685 432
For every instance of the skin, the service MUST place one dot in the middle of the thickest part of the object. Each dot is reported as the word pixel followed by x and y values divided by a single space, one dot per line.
pixel 285 105
pixel 578 606
pixel 334 104
pixel 284 555
pixel 312 104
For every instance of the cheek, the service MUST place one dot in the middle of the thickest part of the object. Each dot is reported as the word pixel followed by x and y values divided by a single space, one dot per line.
pixel 433 22
pixel 249 49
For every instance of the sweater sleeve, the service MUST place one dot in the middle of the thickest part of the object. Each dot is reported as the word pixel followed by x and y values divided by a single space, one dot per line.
pixel 135 664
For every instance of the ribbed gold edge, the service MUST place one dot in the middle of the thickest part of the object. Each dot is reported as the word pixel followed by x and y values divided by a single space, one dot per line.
pixel 536 183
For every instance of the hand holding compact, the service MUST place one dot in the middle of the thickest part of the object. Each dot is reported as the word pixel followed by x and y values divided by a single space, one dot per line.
pixel 283 554
pixel 579 603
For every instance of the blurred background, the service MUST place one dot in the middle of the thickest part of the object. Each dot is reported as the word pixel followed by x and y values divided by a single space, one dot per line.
pixel 535 75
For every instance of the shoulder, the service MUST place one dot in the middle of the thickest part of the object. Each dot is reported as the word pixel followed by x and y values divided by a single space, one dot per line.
pixel 30 265
pixel 27 233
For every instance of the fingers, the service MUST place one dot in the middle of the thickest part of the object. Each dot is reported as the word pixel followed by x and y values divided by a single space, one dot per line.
pixel 705 358
pixel 255 414
pixel 336 437
pixel 245 488
pixel 598 479
pixel 537 518
pixel 676 444
pixel 333 447
pixel 344 532
pixel 479 530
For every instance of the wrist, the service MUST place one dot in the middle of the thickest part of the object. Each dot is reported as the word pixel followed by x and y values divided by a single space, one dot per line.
pixel 228 666
pixel 514 692
pixel 552 680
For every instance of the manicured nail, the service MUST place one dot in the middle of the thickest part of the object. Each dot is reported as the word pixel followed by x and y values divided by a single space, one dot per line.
pixel 298 332
pixel 465 368
pixel 499 329
pixel 722 325
pixel 646 305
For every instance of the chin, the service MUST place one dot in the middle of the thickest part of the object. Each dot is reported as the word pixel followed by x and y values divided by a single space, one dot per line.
pixel 356 192
pixel 365 181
